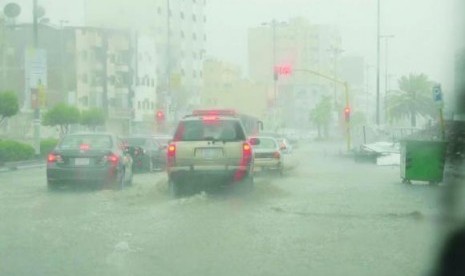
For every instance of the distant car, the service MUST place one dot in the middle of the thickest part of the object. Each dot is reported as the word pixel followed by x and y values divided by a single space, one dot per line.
pixel 284 145
pixel 146 151
pixel 268 155
pixel 162 142
pixel 89 157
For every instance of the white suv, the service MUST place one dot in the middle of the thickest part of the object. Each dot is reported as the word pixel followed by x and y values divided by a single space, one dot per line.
pixel 209 146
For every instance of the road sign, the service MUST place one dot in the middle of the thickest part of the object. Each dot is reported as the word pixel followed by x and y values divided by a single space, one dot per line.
pixel 35 75
pixel 437 94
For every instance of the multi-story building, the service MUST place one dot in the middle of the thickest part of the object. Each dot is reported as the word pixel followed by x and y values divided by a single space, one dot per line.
pixel 180 50
pixel 224 87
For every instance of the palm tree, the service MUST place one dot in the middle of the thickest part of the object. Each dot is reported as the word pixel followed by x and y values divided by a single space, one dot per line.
pixel 321 116
pixel 413 98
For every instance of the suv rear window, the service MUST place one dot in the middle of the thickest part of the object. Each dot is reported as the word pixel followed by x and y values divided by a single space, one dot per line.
pixel 215 130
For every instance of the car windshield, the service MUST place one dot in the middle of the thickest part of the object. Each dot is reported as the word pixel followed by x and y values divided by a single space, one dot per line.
pixel 199 130
pixel 266 143
pixel 92 141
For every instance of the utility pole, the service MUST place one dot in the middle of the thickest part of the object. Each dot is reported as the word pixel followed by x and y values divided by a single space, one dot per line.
pixel 386 78
pixel 336 51
pixel 35 34
pixel 274 72
pixel 378 38
pixel 168 60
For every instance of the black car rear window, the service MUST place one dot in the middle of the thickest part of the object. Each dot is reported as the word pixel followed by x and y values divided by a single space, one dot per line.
pixel 217 130
pixel 136 141
pixel 93 141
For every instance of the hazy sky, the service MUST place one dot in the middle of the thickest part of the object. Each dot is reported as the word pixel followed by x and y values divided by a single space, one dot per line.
pixel 422 28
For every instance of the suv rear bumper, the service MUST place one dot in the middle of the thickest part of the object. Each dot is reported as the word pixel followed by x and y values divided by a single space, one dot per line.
pixel 226 173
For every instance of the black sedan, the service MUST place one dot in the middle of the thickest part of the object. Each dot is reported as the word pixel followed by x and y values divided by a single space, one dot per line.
pixel 100 158
pixel 148 152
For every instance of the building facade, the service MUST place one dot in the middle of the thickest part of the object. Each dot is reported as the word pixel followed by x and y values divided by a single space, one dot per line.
pixel 179 31
pixel 224 88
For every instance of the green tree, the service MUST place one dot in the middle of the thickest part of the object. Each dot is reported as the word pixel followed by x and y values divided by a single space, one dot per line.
pixel 320 116
pixel 9 105
pixel 62 116
pixel 93 118
pixel 413 98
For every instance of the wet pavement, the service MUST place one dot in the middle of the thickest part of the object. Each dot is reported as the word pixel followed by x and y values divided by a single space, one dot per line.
pixel 326 216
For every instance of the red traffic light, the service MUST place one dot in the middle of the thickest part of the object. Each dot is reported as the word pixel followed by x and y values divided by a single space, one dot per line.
pixel 347 113
pixel 160 116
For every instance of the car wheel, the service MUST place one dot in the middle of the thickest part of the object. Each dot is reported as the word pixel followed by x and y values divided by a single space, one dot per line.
pixel 175 189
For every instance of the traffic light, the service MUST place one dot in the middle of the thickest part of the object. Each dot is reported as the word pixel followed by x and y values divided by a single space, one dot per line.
pixel 347 114
pixel 160 117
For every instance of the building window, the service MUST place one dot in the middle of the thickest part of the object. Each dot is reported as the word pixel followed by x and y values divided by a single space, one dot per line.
pixel 84 78
pixel 84 55
pixel 152 82
pixel 183 73
pixel 194 18
pixel 204 18
pixel 170 13
pixel 182 34
pixel 182 15
pixel 152 105
pixel 138 105
pixel 194 55
pixel 194 74
pixel 204 37
pixel 159 10
pixel 194 36
pixel 200 74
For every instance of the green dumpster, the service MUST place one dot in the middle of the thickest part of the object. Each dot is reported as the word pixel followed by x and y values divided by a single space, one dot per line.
pixel 422 160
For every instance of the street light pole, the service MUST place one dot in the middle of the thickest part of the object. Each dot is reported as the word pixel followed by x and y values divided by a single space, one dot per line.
pixel 378 38
pixel 275 74
pixel 386 80
pixel 35 34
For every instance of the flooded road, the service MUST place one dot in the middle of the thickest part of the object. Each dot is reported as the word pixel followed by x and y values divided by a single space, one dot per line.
pixel 326 216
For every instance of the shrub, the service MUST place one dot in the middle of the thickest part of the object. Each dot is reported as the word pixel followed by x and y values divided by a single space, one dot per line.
pixel 47 145
pixel 15 151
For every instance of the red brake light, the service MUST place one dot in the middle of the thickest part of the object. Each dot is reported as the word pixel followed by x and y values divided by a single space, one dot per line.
pixel 277 155
pixel 84 147
pixel 171 155
pixel 113 159
pixel 209 118
pixel 171 150
pixel 52 158
pixel 217 112
pixel 246 149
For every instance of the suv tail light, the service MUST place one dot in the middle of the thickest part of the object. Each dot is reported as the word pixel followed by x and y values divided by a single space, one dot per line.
pixel 277 155
pixel 54 158
pixel 171 154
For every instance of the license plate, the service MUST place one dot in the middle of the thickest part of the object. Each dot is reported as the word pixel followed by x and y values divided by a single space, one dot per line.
pixel 81 161
pixel 211 153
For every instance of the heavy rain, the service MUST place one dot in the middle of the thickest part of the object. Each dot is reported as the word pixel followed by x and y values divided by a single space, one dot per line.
pixel 215 137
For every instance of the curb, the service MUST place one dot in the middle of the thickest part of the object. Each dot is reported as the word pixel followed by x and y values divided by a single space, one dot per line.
pixel 14 166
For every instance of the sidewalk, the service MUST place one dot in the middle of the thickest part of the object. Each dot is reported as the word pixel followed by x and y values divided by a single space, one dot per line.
pixel 21 165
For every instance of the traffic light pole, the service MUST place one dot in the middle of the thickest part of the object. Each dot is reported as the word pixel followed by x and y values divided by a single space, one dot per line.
pixel 35 34
pixel 346 92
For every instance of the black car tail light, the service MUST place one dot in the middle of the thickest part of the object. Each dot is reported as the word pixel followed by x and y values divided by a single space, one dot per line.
pixel 113 159
pixel 54 158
